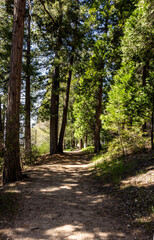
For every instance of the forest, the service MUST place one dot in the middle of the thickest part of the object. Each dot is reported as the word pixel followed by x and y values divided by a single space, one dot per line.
pixel 76 76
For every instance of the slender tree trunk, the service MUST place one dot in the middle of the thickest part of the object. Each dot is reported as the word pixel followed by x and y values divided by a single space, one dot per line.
pixel 97 143
pixel 35 137
pixel 85 141
pixel 1 129
pixel 28 102
pixel 152 130
pixel 98 121
pixel 73 143
pixel 144 77
pixel 152 124
pixel 12 168
pixel 54 112
pixel 4 125
pixel 65 110
pixel 80 144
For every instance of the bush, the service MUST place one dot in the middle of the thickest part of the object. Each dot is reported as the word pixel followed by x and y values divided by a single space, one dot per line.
pixel 89 149
pixel 32 158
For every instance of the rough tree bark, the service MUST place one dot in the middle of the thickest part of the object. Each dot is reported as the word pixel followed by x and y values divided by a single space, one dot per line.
pixel 54 112
pixel 28 102
pixel 54 108
pixel 65 110
pixel 12 168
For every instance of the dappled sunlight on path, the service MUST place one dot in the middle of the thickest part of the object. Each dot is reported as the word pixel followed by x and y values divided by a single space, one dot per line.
pixel 61 200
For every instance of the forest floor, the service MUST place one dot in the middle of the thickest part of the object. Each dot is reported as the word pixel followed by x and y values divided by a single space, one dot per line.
pixel 60 199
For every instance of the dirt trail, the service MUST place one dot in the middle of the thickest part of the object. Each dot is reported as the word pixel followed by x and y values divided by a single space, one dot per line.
pixel 62 201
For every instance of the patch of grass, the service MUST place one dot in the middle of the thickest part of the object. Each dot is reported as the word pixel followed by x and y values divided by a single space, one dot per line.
pixel 89 149
pixel 110 170
pixel 44 148
pixel 116 160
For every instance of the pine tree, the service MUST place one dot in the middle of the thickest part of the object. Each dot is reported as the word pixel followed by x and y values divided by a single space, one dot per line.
pixel 12 168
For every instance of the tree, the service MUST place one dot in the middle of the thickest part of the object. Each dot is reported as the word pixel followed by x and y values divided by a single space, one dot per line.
pixel 1 128
pixel 76 40
pixel 65 110
pixel 12 168
pixel 137 47
pixel 28 99
pixel 62 38
pixel 131 97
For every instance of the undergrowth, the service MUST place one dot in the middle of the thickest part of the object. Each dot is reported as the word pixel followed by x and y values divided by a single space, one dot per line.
pixel 119 162
pixel 36 152
pixel 89 149
pixel 115 161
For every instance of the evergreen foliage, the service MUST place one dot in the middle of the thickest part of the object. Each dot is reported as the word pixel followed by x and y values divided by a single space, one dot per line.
pixel 90 69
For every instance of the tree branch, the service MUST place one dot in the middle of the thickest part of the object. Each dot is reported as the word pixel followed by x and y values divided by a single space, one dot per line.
pixel 41 1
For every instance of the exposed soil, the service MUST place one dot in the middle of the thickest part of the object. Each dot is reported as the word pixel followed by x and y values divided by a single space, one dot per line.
pixel 60 199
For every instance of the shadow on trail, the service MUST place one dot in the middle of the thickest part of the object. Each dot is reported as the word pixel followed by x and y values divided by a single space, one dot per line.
pixel 61 200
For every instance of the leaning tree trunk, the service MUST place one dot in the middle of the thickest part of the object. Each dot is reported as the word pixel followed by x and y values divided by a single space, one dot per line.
pixel 54 112
pixel 12 168
pixel 65 110
pixel 28 102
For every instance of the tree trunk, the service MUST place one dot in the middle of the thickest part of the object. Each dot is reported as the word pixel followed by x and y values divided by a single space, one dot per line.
pixel 97 143
pixel 80 144
pixel 145 73
pixel 65 110
pixel 152 124
pixel 72 143
pixel 85 141
pixel 12 168
pixel 4 125
pixel 98 121
pixel 152 129
pixel 144 77
pixel 1 129
pixel 54 113
pixel 28 102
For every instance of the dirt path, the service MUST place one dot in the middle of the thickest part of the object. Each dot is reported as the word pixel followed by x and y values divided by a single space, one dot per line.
pixel 61 201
